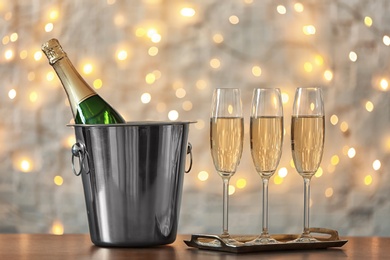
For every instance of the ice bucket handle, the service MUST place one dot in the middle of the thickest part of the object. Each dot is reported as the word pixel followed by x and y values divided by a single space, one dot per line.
pixel 189 151
pixel 79 151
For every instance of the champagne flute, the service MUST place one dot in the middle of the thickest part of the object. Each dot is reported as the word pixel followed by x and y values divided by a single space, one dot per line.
pixel 307 143
pixel 266 140
pixel 226 140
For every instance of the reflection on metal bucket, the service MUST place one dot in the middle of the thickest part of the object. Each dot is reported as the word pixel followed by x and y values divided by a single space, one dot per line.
pixel 132 177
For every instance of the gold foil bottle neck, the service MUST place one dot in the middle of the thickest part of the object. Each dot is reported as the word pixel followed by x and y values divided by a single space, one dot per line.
pixel 53 51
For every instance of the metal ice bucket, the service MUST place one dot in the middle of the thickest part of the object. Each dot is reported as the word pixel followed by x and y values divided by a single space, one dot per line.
pixel 132 177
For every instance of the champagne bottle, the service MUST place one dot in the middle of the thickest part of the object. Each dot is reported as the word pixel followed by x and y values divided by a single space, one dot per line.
pixel 87 106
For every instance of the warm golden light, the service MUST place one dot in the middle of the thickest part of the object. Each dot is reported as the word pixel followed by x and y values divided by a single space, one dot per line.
pixel 215 63
pixel 33 96
pixel 241 183
pixel 146 98
pixel 201 84
pixel 351 152
pixel 344 127
pixel 14 37
pixel 153 51
pixel 329 192
pixel 151 33
pixel 173 115
pixel 200 124
pixel 150 78
pixel 283 172
pixel 177 84
pixel 37 55
pixel 50 76
pixel 8 54
pixel 157 73
pixel 69 141
pixel 122 55
pixel 369 106
pixel 386 144
pixel 281 9
pixel 187 12
pixel 140 32
pixel 5 40
pixel 368 21
pixel 25 165
pixel 232 189
pixel 23 54
pixel 58 180
pixel 309 30
pixel 335 160
pixel 218 38
pixel 119 20
pixel 319 172
pixel 278 180
pixel 312 106
pixel 308 67
pixel 156 38
pixel 234 19
pixel 230 109
pixel 12 93
pixel 328 75
pixel 49 27
pixel 53 15
pixel 376 165
pixel 88 68
pixel 386 40
pixel 292 164
pixel 256 71
pixel 334 120
pixel 353 56
pixel 203 175
pixel 57 228
pixel 318 60
pixel 368 180
pixel 181 93
pixel 187 105
pixel 384 84
pixel 285 98
pixel 298 7
pixel 97 83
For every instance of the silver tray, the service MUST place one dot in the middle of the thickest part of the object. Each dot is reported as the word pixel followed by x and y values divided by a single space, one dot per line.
pixel 215 243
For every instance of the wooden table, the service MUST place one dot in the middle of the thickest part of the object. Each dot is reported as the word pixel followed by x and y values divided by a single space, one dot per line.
pixel 79 247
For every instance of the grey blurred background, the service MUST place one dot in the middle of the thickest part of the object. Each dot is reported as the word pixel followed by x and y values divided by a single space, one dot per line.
pixel 161 60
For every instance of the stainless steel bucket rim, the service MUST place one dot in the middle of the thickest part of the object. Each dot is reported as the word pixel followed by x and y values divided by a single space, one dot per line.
pixel 135 123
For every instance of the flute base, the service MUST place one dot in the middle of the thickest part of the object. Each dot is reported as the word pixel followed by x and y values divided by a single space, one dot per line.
pixel 262 240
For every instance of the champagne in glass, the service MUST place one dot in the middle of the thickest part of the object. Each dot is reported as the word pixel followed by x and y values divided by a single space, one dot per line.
pixel 307 143
pixel 266 140
pixel 226 141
